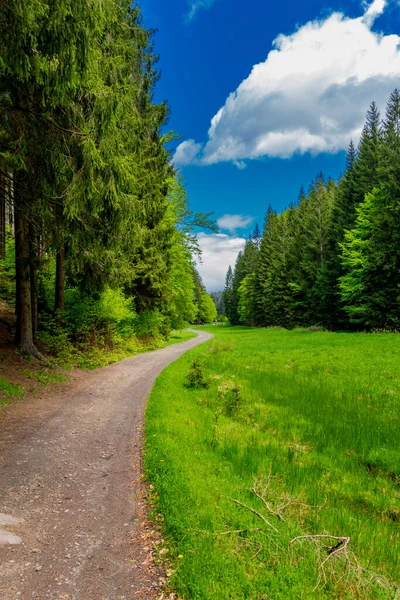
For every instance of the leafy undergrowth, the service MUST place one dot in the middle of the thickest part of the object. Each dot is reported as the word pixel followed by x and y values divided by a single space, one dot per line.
pixel 296 434
pixel 86 356
pixel 9 391
pixel 24 375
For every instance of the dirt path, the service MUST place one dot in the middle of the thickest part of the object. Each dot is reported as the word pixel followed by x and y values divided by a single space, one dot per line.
pixel 70 470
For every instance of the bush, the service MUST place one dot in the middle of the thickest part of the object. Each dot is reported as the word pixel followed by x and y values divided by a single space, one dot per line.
pixel 195 375
pixel 152 323
pixel 98 320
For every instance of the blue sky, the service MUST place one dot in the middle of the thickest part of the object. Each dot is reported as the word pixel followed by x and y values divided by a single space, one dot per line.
pixel 286 84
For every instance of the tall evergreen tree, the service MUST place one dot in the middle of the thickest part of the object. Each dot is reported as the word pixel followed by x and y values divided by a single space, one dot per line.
pixel 228 293
pixel 239 273
pixel 369 153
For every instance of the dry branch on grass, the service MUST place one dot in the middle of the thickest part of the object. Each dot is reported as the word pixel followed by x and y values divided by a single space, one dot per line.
pixel 276 505
pixel 237 531
pixel 257 513
pixel 336 555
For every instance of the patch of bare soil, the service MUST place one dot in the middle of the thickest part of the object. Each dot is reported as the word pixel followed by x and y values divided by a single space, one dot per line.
pixel 71 487
pixel 15 368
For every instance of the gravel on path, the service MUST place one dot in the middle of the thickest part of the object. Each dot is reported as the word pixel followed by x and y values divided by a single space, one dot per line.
pixel 73 520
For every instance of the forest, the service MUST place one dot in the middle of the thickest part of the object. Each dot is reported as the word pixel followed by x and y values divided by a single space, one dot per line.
pixel 331 259
pixel 96 235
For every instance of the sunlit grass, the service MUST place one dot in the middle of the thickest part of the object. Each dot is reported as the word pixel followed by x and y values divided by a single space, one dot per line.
pixel 8 391
pixel 317 421
pixel 64 354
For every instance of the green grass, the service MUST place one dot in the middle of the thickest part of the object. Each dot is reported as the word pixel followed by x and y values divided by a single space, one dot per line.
pixel 8 391
pixel 45 375
pixel 177 337
pixel 64 354
pixel 308 420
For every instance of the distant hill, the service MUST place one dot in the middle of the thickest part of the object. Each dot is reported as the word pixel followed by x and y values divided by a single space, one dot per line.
pixel 219 301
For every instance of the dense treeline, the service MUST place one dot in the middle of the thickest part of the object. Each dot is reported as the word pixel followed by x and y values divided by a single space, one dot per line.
pixel 86 183
pixel 333 257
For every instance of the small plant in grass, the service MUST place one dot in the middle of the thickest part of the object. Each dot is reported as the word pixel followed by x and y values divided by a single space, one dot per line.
pixel 221 346
pixel 310 454
pixel 229 395
pixel 214 437
pixel 195 375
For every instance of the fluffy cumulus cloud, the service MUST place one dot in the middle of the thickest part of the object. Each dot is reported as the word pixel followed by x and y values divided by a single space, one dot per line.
pixel 218 252
pixel 310 94
pixel 186 153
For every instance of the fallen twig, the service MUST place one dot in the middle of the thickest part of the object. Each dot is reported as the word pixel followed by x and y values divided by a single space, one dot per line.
pixel 237 531
pixel 258 514
pixel 341 550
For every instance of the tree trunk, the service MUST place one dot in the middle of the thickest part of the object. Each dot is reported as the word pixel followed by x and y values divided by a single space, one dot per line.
pixel 33 253
pixel 60 279
pixel 2 217
pixel 24 330
pixel 34 301
pixel 10 201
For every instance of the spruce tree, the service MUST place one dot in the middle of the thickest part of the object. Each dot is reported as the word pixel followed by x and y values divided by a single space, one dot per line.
pixel 239 273
pixel 228 293
pixel 369 154
pixel 46 51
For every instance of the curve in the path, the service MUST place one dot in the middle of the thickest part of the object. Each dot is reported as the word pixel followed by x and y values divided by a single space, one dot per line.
pixel 70 474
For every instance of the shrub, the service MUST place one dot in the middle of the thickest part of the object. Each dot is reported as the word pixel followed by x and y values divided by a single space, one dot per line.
pixel 195 375
pixel 229 395
pixel 152 323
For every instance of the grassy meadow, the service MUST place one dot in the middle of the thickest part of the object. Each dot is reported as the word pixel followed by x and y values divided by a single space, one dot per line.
pixel 295 434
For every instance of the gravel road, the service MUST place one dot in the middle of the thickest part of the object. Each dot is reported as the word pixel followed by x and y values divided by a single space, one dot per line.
pixel 73 523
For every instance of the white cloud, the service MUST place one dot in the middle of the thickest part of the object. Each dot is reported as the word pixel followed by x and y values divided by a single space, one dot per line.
pixel 234 222
pixel 374 10
pixel 196 5
pixel 218 252
pixel 186 153
pixel 309 95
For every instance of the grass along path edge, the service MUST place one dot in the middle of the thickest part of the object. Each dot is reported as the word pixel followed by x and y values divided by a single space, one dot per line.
pixel 25 375
pixel 260 488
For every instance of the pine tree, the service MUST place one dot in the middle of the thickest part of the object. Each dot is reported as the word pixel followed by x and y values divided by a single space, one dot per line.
pixel 315 232
pixel 264 260
pixel 370 286
pixel 367 165
pixel 46 52
pixel 228 293
pixel 390 154
pixel 239 273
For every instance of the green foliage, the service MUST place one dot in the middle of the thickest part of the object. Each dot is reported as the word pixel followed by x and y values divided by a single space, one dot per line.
pixel 195 375
pixel 101 330
pixel 8 391
pixel 313 432
pixel 151 323
pixel 99 203
pixel 7 270
pixel 247 305
pixel 230 396
pixel 206 310
pixel 228 293
pixel 46 376
pixel 218 298
pixel 332 259
pixel 370 287
pixel 182 308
